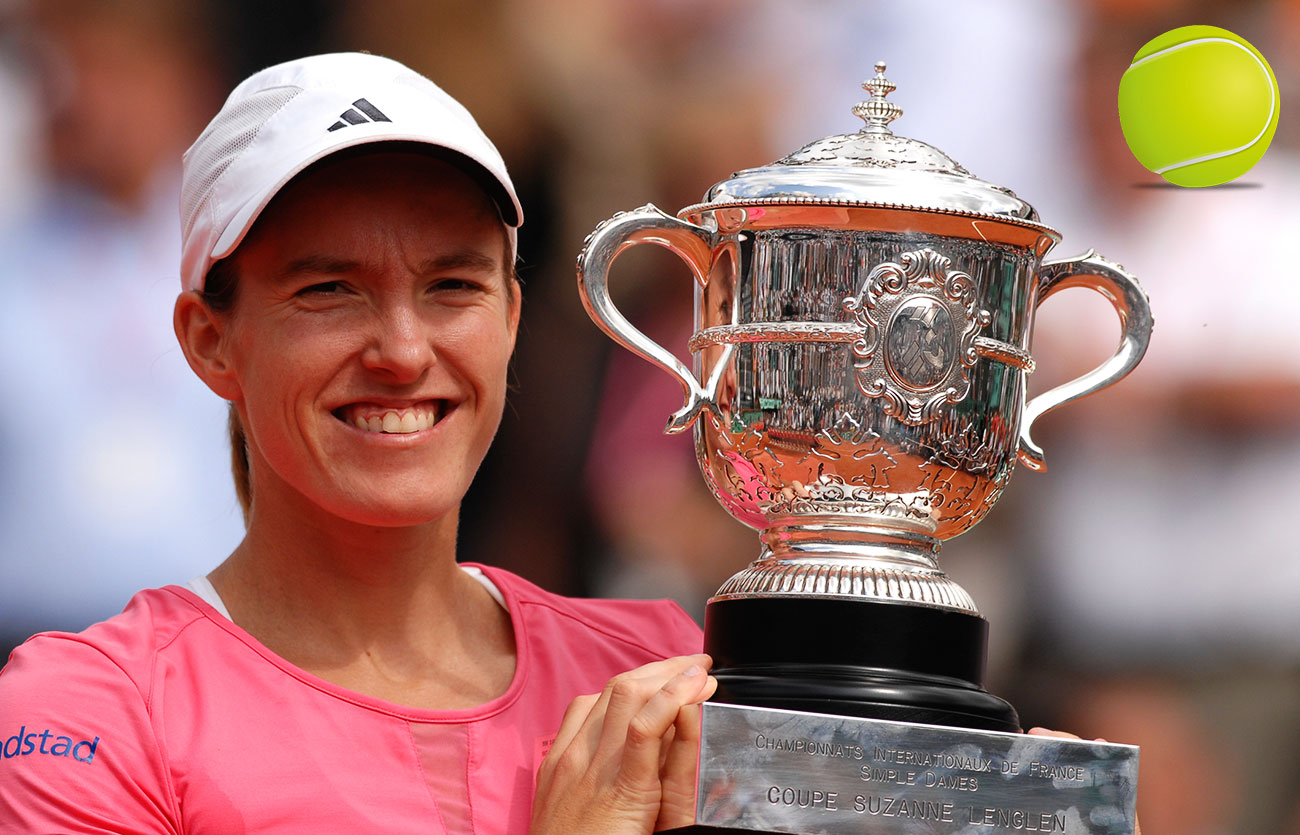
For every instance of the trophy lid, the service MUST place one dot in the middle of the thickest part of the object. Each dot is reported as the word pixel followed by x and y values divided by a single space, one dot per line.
pixel 873 167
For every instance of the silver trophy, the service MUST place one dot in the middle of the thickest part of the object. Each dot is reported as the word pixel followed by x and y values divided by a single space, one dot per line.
pixel 863 314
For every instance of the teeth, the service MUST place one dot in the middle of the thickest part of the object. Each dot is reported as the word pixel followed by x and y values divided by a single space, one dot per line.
pixel 394 421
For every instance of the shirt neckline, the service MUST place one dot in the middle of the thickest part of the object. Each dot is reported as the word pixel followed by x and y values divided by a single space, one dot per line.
pixel 203 587
pixel 480 712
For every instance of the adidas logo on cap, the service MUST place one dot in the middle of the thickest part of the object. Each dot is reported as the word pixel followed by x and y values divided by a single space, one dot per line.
pixel 357 113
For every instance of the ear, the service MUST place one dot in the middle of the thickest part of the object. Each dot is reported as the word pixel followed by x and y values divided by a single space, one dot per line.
pixel 516 304
pixel 203 339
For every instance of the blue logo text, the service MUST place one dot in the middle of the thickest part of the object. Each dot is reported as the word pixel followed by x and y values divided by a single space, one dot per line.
pixel 49 743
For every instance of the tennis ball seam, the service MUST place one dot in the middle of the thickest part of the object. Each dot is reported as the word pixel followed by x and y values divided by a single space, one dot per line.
pixel 1272 98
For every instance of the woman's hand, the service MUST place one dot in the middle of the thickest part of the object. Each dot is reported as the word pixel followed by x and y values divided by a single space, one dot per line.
pixel 1137 830
pixel 624 760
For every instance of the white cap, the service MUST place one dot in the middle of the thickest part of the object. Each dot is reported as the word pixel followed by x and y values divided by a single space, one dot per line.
pixel 282 119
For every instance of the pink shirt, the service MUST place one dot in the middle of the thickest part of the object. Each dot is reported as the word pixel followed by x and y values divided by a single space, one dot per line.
pixel 169 718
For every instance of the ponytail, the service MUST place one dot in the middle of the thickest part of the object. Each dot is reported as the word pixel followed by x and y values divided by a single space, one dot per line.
pixel 239 464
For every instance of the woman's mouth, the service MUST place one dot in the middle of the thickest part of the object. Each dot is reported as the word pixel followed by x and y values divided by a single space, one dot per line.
pixel 391 420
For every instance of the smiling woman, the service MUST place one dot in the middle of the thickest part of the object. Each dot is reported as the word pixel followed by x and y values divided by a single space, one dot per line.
pixel 391 306
pixel 348 287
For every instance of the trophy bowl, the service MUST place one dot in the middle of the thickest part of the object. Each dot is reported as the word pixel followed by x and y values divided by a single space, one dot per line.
pixel 863 316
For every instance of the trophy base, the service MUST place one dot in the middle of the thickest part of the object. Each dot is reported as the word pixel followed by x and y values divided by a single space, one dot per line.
pixel 861 658
pixel 779 771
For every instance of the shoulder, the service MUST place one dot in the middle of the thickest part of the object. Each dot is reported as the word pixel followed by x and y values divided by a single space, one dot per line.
pixel 75 711
pixel 119 650
pixel 652 628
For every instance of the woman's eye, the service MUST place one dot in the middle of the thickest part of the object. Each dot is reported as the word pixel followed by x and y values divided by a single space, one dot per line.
pixel 323 288
pixel 455 285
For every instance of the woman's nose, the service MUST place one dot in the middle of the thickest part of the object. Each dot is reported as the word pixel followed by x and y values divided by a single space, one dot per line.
pixel 400 349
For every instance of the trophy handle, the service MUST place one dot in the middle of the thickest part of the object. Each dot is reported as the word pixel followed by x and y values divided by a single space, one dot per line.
pixel 1130 301
pixel 646 225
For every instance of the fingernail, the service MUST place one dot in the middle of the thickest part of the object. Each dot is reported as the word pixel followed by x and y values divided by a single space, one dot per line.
pixel 692 671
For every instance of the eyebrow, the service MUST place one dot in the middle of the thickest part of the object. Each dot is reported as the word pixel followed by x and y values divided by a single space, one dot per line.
pixel 329 265
pixel 458 260
pixel 323 264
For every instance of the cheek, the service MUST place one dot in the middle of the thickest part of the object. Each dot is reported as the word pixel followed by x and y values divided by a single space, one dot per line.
pixel 481 343
pixel 285 355
pixel 269 407
pixel 481 358
pixel 492 357
pixel 279 373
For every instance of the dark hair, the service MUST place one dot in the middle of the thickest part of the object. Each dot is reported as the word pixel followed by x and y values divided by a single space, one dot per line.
pixel 220 293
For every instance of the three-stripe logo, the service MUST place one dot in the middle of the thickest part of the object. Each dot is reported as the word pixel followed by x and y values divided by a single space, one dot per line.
pixel 357 113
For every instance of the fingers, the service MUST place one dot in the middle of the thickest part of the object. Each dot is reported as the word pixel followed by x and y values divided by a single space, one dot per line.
pixel 1057 734
pixel 686 725
pixel 573 723
pixel 595 727
pixel 614 750
pixel 1051 733
pixel 629 693
pixel 648 726
pixel 678 772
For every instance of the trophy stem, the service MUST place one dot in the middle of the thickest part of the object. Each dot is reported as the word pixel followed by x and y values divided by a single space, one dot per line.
pixel 843 558
pixel 823 537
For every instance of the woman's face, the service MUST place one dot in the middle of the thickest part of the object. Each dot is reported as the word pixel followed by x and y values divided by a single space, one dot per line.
pixel 368 347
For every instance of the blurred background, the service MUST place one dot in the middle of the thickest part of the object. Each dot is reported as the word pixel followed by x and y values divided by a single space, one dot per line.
pixel 1145 589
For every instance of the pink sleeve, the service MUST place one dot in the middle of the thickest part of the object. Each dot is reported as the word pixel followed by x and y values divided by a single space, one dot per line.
pixel 78 753
pixel 688 638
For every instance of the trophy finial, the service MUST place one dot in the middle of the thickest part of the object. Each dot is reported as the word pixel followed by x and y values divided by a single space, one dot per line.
pixel 877 112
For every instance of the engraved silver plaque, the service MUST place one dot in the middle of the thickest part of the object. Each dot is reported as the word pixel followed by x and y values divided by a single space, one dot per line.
pixel 769 770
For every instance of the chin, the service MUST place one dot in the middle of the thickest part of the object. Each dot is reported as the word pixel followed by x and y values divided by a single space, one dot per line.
pixel 404 515
pixel 394 507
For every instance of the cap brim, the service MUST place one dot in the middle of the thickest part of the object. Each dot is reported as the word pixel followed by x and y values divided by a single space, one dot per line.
pixel 243 218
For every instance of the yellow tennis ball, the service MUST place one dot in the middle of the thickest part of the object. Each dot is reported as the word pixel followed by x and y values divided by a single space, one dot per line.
pixel 1198 106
